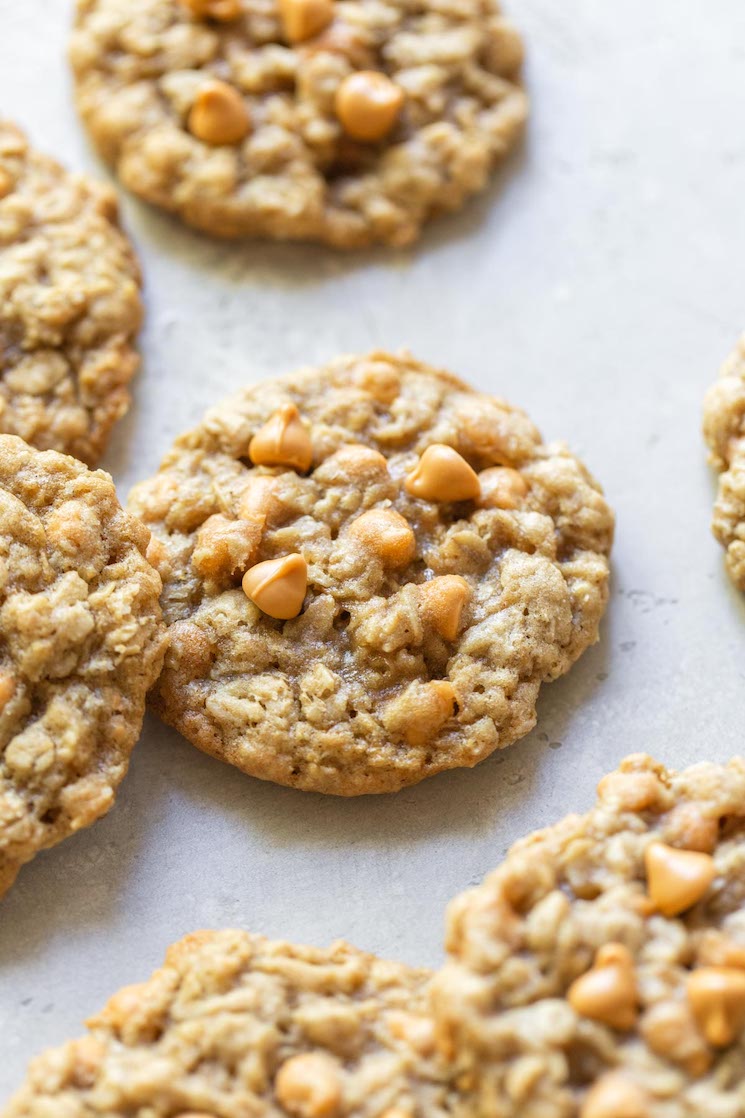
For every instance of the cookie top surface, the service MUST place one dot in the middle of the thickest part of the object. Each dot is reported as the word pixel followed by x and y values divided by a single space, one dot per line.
pixel 380 636
pixel 81 641
pixel 234 1024
pixel 341 121
pixel 600 970
pixel 724 430
pixel 69 304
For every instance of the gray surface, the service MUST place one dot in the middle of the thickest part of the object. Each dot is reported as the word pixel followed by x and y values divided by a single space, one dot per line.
pixel 598 285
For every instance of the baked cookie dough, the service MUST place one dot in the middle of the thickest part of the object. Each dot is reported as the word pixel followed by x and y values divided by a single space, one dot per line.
pixel 724 430
pixel 344 121
pixel 599 972
pixel 369 569
pixel 81 641
pixel 234 1024
pixel 69 304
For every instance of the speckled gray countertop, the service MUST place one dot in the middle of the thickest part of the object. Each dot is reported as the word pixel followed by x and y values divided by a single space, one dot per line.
pixel 598 284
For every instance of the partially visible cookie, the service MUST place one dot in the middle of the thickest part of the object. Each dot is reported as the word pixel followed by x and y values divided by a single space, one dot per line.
pixel 344 121
pixel 69 304
pixel 369 569
pixel 599 972
pixel 81 641
pixel 235 1025
pixel 724 430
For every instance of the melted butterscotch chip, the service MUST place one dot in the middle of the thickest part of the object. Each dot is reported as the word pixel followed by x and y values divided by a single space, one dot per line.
pixel 441 602
pixel 385 535
pixel 7 689
pixel 502 488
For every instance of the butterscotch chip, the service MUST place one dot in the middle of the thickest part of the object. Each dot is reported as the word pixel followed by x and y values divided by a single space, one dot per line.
pixel 441 602
pixel 83 640
pixel 724 431
pixel 277 586
pixel 309 1085
pixel 221 10
pixel 564 997
pixel 219 115
pixel 302 19
pixel 614 1096
pixel 385 535
pixel 368 104
pixel 367 120
pixel 282 441
pixel 70 304
pixel 7 689
pixel 234 1024
pixel 608 992
pixel 225 547
pixel 426 627
pixel 677 879
pixel 502 488
pixel 717 998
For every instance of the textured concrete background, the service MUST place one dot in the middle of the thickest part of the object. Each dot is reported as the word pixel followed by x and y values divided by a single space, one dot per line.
pixel 599 285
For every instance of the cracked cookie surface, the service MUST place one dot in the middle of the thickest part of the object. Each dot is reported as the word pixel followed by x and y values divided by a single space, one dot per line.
pixel 600 970
pixel 69 304
pixel 236 1024
pixel 409 633
pixel 724 430
pixel 81 641
pixel 235 123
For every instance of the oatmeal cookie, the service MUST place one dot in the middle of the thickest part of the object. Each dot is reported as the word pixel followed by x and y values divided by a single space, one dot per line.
pixel 724 430
pixel 69 304
pixel 81 641
pixel 344 121
pixel 599 972
pixel 234 1024
pixel 369 569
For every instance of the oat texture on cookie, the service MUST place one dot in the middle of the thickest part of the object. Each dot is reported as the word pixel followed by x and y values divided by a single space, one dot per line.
pixel 81 641
pixel 69 304
pixel 599 972
pixel 724 429
pixel 234 1024
pixel 349 122
pixel 369 569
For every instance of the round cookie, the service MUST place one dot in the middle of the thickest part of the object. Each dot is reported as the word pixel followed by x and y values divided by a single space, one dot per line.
pixel 81 641
pixel 599 972
pixel 69 304
pixel 724 430
pixel 234 1024
pixel 351 608
pixel 342 121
